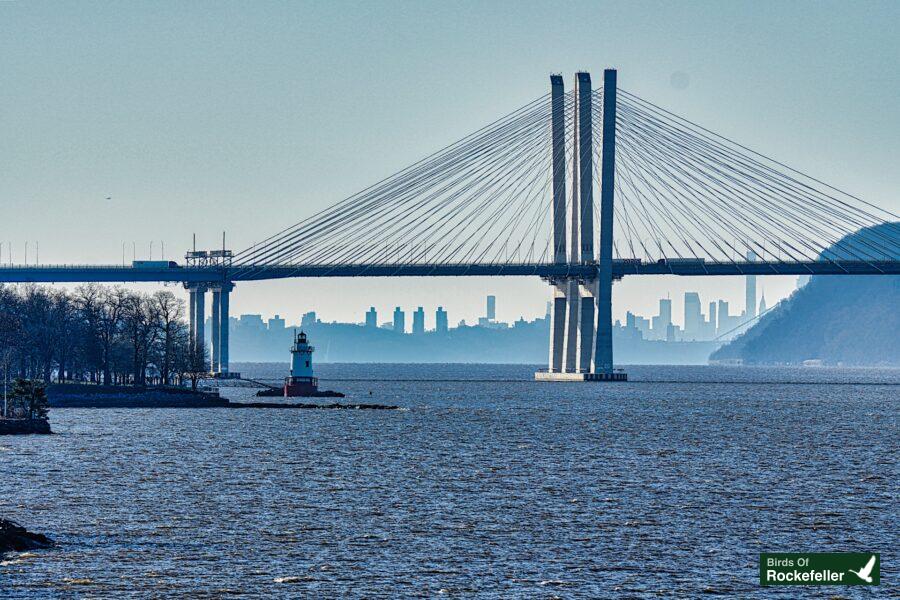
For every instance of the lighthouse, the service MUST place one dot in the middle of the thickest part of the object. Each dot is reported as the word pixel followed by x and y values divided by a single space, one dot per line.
pixel 302 382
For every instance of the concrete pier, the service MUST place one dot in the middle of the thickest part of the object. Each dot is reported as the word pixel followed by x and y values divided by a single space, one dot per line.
pixel 225 293
pixel 558 327
pixel 214 350
pixel 581 311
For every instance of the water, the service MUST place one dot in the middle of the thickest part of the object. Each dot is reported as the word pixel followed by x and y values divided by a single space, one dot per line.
pixel 476 489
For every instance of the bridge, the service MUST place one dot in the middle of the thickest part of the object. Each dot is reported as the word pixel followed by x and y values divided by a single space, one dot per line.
pixel 516 198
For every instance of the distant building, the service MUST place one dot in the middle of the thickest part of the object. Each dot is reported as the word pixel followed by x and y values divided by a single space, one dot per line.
pixel 673 333
pixel 662 321
pixel 640 325
pixel 762 304
pixel 440 320
pixel 308 319
pixel 252 322
pixel 399 320
pixel 371 318
pixel 491 313
pixel 712 317
pixel 728 324
pixel 276 323
pixel 418 324
pixel 693 316
pixel 750 291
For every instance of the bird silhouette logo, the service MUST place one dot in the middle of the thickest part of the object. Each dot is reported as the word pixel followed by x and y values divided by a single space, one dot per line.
pixel 866 572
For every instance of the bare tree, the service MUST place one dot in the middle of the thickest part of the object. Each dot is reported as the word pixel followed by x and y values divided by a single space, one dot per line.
pixel 170 311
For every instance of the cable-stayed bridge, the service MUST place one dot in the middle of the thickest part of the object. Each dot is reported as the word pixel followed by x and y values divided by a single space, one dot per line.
pixel 517 198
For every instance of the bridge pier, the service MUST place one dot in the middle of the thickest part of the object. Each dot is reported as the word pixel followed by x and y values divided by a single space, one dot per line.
pixel 218 348
pixel 586 328
pixel 200 315
pixel 558 326
pixel 214 353
pixel 225 292
pixel 197 309
pixel 603 354
pixel 573 314
pixel 581 348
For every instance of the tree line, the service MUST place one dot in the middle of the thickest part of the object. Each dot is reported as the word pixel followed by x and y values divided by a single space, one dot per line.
pixel 97 334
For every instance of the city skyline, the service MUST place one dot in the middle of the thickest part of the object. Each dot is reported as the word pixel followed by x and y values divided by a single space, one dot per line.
pixel 436 319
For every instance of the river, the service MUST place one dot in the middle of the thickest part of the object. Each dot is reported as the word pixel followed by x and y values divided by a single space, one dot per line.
pixel 672 484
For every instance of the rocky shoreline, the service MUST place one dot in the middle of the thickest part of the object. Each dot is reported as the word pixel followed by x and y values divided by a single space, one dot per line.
pixel 73 395
pixel 15 538
pixel 24 426
pixel 100 396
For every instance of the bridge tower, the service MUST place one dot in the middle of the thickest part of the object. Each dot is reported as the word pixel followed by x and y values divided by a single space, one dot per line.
pixel 603 353
pixel 581 314
pixel 216 355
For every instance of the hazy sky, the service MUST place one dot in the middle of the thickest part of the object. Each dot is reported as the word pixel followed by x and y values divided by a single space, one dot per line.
pixel 249 116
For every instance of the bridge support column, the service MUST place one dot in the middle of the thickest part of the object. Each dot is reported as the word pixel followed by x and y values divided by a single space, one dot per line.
pixel 199 336
pixel 603 354
pixel 557 327
pixel 573 317
pixel 587 339
pixel 584 182
pixel 586 328
pixel 192 309
pixel 223 327
pixel 558 134
pixel 214 354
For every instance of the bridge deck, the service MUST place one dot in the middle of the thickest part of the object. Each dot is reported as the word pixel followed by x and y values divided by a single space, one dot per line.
pixel 621 268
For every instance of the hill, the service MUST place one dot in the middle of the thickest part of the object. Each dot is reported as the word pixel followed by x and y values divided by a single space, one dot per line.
pixel 836 319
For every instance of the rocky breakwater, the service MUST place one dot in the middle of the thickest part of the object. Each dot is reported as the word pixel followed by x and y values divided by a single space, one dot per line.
pixel 15 538
pixel 24 426
pixel 74 395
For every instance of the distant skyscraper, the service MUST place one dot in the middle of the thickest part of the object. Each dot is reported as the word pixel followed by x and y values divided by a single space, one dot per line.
pixel 693 316
pixel 252 322
pixel 663 320
pixel 308 319
pixel 712 317
pixel 419 321
pixel 399 320
pixel 491 308
pixel 750 291
pixel 371 318
pixel 276 323
pixel 440 320
pixel 762 304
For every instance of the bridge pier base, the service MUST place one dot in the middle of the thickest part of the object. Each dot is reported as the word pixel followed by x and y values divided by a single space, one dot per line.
pixel 588 311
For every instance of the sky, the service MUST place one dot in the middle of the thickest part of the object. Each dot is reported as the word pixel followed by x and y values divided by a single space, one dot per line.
pixel 129 124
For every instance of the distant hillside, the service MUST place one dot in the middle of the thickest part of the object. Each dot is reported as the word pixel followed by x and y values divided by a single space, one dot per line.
pixel 836 319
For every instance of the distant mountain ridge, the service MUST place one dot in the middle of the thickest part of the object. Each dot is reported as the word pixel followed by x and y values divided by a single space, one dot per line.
pixel 849 320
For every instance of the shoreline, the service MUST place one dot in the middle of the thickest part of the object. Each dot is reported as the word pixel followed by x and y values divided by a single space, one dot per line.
pixel 24 426
pixel 99 396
